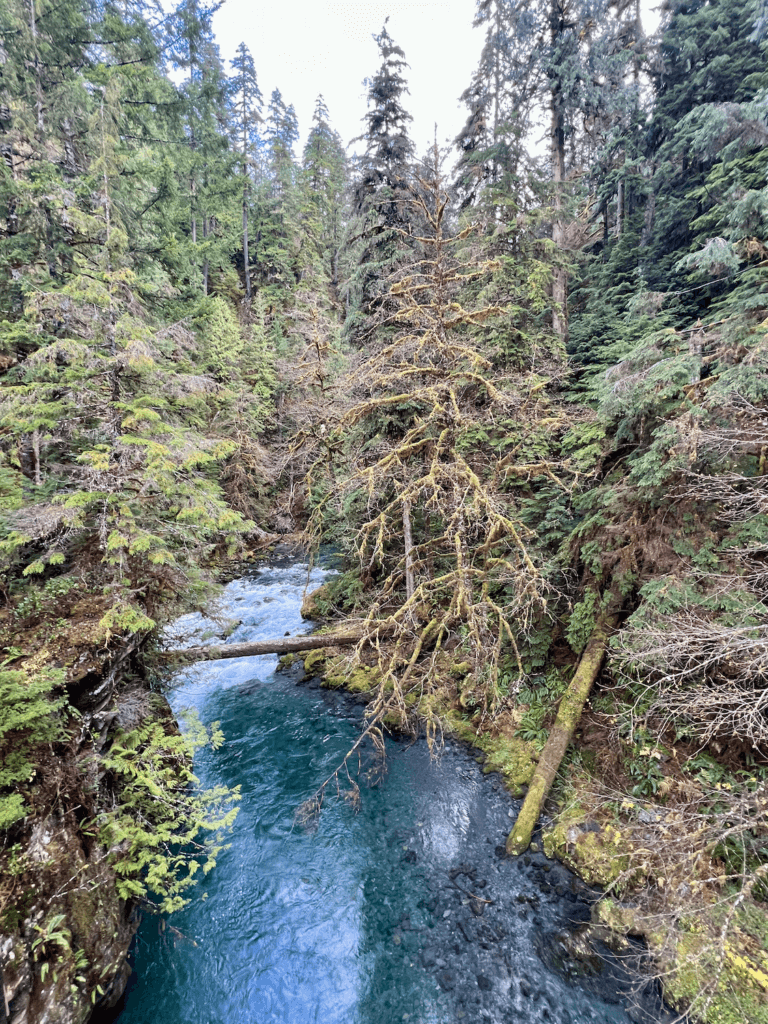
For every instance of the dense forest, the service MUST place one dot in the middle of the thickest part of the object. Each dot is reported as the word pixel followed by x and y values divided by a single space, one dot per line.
pixel 523 391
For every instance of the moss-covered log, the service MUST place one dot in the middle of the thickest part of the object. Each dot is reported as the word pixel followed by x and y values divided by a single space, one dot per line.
pixel 568 715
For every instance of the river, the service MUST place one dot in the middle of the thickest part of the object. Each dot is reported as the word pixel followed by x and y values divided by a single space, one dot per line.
pixel 404 910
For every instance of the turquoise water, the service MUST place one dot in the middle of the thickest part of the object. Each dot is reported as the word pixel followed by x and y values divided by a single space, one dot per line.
pixel 359 920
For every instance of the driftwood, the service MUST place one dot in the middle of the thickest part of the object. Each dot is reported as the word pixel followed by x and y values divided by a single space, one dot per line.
pixel 568 715
pixel 280 645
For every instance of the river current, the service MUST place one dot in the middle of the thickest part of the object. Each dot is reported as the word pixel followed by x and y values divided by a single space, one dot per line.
pixel 404 910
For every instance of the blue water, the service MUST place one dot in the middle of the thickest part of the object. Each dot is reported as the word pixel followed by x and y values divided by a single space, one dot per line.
pixel 354 921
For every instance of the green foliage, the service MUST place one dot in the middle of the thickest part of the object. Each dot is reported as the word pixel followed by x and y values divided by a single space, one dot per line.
pixel 642 764
pixel 221 340
pixel 30 715
pixel 342 591
pixel 582 621
pixel 534 649
pixel 541 695
pixel 164 829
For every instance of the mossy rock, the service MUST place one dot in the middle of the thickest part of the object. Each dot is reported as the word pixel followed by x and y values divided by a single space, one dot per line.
pixel 314 662
pixel 597 857
pixel 742 988
pixel 363 679
pixel 457 727
pixel 616 916
pixel 513 758
pixel 287 661
pixel 314 601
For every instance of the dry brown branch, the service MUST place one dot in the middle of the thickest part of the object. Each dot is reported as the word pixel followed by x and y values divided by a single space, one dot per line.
pixel 711 675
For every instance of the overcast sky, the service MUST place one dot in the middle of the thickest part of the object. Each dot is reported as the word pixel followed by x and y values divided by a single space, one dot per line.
pixel 306 47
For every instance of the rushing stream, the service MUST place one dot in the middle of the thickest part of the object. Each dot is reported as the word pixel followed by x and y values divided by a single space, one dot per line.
pixel 371 918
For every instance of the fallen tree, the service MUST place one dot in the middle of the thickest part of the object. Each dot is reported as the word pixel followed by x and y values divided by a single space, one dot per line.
pixel 280 645
pixel 568 715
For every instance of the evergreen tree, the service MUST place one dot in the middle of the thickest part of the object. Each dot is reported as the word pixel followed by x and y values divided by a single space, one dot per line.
pixel 247 103
pixel 440 548
pixel 207 127
pixel 278 240
pixel 570 57
pixel 382 183
pixel 493 142
pixel 324 184
pixel 710 69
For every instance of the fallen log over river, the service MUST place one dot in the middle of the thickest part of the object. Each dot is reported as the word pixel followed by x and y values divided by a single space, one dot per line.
pixel 280 645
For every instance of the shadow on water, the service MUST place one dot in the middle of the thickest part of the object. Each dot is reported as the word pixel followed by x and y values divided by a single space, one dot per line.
pixel 404 911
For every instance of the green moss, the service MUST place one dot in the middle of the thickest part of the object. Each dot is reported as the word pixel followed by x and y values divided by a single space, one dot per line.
pixel 286 661
pixel 362 679
pixel 597 857
pixel 315 604
pixel 742 988
pixel 459 728
pixel 314 662
pixel 460 669
pixel 615 916
pixel 514 758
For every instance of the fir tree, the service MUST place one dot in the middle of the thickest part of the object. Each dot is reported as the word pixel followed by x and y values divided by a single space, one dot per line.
pixel 382 181
pixel 247 103
pixel 207 126
pixel 277 241
pixel 324 183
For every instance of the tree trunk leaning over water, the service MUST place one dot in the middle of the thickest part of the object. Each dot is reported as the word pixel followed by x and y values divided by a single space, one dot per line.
pixel 568 715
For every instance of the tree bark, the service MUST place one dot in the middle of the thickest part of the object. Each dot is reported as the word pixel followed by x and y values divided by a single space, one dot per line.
pixel 559 273
pixel 280 645
pixel 620 209
pixel 205 261
pixel 246 258
pixel 408 539
pixel 568 715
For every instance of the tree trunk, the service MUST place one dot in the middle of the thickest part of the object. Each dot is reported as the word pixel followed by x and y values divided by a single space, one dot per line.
pixel 205 261
pixel 568 715
pixel 695 348
pixel 247 270
pixel 620 209
pixel 408 538
pixel 280 645
pixel 38 83
pixel 36 457
pixel 559 276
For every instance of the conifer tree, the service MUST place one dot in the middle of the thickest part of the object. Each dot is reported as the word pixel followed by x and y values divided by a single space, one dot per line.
pixel 442 551
pixel 277 238
pixel 324 182
pixel 382 180
pixel 569 57
pixel 247 103
pixel 493 142
pixel 207 127
pixel 711 68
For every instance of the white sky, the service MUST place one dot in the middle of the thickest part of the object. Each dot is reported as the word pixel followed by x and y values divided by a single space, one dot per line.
pixel 306 47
